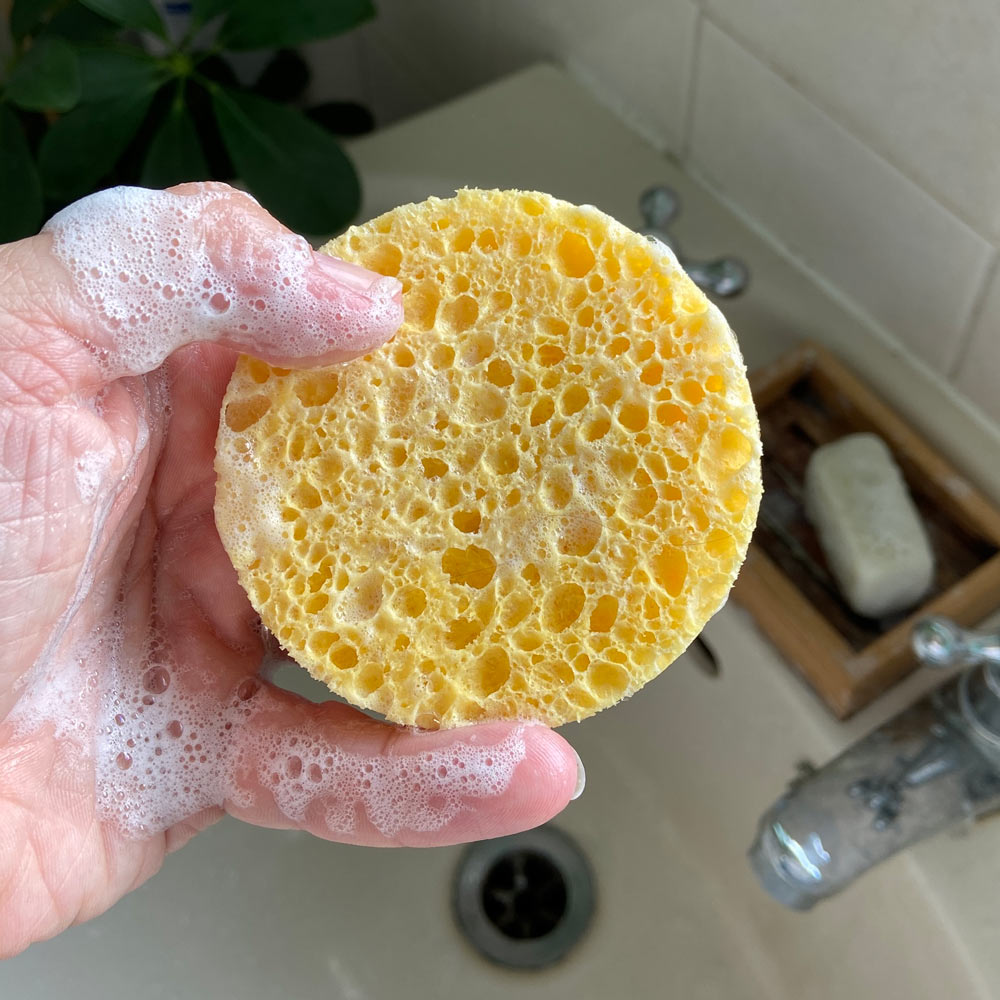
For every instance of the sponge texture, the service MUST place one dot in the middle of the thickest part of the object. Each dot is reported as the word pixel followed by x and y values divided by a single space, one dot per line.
pixel 528 503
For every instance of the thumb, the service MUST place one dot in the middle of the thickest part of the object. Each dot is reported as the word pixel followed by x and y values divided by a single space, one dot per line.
pixel 145 272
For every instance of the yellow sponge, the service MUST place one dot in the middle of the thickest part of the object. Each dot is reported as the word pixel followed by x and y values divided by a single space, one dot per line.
pixel 529 502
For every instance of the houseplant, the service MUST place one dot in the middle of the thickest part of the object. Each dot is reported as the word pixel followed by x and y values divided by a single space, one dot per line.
pixel 99 92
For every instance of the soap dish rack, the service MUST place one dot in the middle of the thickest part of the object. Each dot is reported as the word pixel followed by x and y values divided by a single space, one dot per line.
pixel 804 400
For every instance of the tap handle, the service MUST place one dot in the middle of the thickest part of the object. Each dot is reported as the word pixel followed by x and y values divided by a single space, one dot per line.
pixel 939 642
pixel 726 276
pixel 659 206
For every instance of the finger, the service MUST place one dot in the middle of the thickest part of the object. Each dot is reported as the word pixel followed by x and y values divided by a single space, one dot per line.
pixel 185 726
pixel 332 771
pixel 134 274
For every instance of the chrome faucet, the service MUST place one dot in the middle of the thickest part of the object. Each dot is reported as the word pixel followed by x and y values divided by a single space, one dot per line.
pixel 723 277
pixel 933 765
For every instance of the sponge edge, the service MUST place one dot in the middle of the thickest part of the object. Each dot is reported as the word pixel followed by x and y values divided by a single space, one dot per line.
pixel 529 502
pixel 868 525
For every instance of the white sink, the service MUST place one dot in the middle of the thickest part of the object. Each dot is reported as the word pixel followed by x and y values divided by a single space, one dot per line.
pixel 676 777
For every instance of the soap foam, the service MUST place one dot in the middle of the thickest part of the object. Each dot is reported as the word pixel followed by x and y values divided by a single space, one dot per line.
pixel 150 395
pixel 89 472
pixel 161 270
pixel 162 752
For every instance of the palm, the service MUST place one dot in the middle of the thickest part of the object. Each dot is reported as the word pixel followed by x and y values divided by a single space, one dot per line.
pixel 122 614
pixel 67 862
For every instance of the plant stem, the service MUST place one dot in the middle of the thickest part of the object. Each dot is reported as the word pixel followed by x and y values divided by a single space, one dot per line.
pixel 210 85
pixel 179 96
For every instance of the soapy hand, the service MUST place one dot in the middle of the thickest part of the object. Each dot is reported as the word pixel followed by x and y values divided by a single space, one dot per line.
pixel 132 711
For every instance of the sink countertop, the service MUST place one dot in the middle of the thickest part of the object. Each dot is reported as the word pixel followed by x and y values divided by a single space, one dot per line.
pixel 540 130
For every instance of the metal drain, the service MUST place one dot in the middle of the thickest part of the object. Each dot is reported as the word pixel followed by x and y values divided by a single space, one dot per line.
pixel 524 901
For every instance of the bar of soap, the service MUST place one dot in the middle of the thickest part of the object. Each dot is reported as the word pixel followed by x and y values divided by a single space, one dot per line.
pixel 868 525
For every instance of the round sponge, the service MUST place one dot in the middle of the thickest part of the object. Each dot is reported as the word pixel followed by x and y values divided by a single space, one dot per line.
pixel 529 502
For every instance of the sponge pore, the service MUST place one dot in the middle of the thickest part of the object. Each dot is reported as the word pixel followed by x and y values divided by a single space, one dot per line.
pixel 529 502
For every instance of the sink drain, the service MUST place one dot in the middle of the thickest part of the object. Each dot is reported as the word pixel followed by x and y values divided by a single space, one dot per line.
pixel 524 901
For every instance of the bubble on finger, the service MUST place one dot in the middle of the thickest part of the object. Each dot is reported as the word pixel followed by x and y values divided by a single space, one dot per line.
pixel 162 750
pixel 158 270
pixel 419 792
pixel 90 470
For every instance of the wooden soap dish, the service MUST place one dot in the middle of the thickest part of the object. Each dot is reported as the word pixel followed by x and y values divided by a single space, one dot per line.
pixel 806 399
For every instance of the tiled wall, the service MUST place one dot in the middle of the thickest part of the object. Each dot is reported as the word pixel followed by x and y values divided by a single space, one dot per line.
pixel 863 135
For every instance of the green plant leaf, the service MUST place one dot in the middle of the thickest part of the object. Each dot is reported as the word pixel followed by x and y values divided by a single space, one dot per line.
pixel 343 118
pixel 203 11
pixel 47 78
pixel 84 145
pixel 107 73
pixel 139 14
pixel 175 154
pixel 218 70
pixel 26 15
pixel 21 204
pixel 260 24
pixel 199 102
pixel 284 78
pixel 77 24
pixel 295 168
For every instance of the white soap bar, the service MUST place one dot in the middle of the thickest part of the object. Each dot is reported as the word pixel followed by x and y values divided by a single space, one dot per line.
pixel 870 530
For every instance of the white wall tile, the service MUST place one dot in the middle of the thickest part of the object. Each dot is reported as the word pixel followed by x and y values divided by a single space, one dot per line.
pixel 860 135
pixel 634 54
pixel 978 375
pixel 441 43
pixel 413 55
pixel 392 89
pixel 831 201
pixel 335 64
pixel 918 80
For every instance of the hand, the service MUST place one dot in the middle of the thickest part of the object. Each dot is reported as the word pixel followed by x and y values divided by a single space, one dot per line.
pixel 132 712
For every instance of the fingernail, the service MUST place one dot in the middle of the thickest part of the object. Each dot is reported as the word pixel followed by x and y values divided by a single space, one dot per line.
pixel 581 778
pixel 352 277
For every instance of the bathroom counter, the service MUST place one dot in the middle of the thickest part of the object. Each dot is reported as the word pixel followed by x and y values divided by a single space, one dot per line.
pixel 540 130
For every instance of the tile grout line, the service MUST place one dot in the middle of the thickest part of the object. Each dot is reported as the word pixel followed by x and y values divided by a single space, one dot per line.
pixel 817 103
pixel 422 74
pixel 990 274
pixel 578 70
pixel 687 128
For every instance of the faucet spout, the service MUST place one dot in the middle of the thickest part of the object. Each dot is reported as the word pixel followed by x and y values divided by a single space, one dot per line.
pixel 933 765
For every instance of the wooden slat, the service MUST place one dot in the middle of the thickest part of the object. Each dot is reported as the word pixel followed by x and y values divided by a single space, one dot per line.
pixel 812 647
pixel 890 658
pixel 811 423
pixel 773 381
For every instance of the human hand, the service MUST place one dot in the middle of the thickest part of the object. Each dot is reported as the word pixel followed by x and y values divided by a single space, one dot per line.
pixel 132 712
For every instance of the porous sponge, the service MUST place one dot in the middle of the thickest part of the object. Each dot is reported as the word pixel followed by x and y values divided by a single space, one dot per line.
pixel 529 502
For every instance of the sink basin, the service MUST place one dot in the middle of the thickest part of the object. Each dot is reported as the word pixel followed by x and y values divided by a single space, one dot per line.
pixel 676 777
